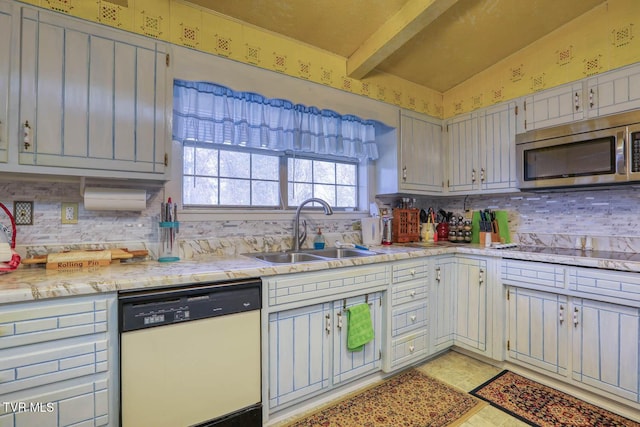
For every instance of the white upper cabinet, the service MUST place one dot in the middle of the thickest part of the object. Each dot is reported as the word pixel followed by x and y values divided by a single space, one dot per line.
pixel 5 67
pixel 613 92
pixel 94 98
pixel 420 154
pixel 481 149
pixel 556 106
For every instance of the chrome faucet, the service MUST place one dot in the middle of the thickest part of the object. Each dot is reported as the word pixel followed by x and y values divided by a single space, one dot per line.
pixel 298 239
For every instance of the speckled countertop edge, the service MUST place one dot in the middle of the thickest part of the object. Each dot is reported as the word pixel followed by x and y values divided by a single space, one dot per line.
pixel 37 283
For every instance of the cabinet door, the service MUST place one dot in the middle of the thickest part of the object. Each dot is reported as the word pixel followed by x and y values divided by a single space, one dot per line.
pixel 94 98
pixel 462 134
pixel 538 331
pixel 350 364
pixel 420 155
pixel 470 321
pixel 614 92
pixel 299 353
pixel 5 67
pixel 442 307
pixel 562 104
pixel 497 147
pixel 605 347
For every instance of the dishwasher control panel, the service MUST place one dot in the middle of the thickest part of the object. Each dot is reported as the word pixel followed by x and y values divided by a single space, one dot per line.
pixel 150 309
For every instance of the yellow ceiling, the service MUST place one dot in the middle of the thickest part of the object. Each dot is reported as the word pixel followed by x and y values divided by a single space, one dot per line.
pixel 437 44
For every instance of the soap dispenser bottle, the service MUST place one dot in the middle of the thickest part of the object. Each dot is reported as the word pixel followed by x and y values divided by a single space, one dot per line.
pixel 318 242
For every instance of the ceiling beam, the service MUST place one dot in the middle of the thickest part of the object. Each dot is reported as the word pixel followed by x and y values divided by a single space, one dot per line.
pixel 414 16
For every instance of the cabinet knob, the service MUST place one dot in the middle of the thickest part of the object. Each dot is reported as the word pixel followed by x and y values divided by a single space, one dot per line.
pixel 413 318
pixel 412 271
pixel 412 293
pixel 411 348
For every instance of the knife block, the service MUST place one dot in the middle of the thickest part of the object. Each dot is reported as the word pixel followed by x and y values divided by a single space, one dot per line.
pixel 406 225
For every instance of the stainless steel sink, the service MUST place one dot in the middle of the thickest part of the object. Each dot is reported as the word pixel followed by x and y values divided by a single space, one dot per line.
pixel 309 255
pixel 338 253
pixel 286 257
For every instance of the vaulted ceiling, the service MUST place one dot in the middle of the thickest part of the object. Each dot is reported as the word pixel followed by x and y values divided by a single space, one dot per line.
pixel 434 43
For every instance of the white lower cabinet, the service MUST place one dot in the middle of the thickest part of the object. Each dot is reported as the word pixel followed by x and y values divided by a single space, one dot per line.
pixel 470 303
pixel 307 331
pixel 442 304
pixel 408 336
pixel 605 347
pixel 553 329
pixel 57 363
pixel 537 332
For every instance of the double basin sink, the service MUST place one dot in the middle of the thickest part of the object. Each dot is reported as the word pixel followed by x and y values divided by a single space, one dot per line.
pixel 310 255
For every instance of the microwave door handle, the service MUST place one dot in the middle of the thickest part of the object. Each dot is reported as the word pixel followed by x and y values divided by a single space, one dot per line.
pixel 621 163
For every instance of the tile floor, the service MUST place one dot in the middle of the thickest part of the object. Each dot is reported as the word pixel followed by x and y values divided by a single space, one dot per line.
pixel 465 373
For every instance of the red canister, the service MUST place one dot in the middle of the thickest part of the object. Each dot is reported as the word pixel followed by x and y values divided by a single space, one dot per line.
pixel 443 231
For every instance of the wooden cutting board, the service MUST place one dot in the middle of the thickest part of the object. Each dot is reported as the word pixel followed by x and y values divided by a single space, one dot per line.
pixel 82 259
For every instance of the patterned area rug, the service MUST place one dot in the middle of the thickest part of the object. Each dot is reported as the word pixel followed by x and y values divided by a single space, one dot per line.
pixel 543 406
pixel 409 399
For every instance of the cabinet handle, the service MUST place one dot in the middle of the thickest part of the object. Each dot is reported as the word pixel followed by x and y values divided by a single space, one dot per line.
pixel 473 175
pixel 591 94
pixel 413 318
pixel 327 324
pixel 482 174
pixel 26 135
pixel 412 293
pixel 577 101
pixel 575 316
pixel 404 174
pixel 1 130
pixel 339 325
pixel 438 277
pixel 481 277
pixel 561 314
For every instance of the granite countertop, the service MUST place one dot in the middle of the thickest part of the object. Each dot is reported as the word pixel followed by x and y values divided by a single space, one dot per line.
pixel 34 283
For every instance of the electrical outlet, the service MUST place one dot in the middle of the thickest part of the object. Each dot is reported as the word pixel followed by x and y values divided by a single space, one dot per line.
pixel 23 213
pixel 69 213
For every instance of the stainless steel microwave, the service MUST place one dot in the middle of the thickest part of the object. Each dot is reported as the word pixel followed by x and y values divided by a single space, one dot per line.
pixel 601 151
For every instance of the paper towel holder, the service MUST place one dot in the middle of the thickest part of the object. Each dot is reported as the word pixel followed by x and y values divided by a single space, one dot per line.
pixel 112 199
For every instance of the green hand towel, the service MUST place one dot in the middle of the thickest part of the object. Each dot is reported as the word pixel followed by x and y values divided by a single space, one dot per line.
pixel 359 327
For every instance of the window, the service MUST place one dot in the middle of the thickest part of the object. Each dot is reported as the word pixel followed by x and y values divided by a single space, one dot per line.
pixel 241 149
pixel 226 176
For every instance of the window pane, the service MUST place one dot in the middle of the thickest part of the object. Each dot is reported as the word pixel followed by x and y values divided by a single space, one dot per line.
pixel 235 192
pixel 187 160
pixel 265 193
pixel 346 174
pixel 346 197
pixel 203 192
pixel 206 162
pixel 300 170
pixel 324 172
pixel 265 167
pixel 234 164
pixel 298 193
pixel 325 192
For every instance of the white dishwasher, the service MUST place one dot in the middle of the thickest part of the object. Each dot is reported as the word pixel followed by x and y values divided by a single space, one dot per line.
pixel 191 356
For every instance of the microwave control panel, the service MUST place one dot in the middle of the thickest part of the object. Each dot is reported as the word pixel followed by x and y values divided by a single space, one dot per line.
pixel 635 152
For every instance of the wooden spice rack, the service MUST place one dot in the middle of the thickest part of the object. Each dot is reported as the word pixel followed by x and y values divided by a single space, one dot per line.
pixel 406 225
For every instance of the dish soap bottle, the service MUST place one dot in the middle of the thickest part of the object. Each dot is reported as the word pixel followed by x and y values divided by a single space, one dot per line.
pixel 318 242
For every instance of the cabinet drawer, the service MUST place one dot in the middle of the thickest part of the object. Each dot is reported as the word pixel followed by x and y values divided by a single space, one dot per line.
pixel 39 322
pixel 407 349
pixel 406 271
pixel 532 273
pixel 293 288
pixel 408 318
pixel 605 283
pixel 408 292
